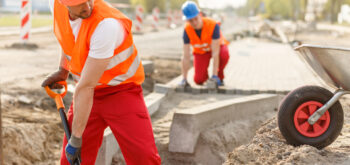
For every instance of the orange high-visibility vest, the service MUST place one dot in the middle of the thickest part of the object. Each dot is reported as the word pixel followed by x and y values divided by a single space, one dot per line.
pixel 125 66
pixel 203 45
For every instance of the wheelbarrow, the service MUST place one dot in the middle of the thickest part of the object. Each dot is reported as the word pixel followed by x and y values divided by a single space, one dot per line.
pixel 313 115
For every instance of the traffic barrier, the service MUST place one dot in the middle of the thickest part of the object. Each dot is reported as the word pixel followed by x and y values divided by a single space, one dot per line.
pixel 139 18
pixel 155 16
pixel 26 10
pixel 170 18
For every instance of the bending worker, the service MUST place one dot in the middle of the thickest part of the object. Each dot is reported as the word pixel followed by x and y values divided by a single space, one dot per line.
pixel 98 49
pixel 207 41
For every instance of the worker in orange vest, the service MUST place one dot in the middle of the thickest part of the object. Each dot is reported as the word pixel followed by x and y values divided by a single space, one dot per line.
pixel 207 41
pixel 98 49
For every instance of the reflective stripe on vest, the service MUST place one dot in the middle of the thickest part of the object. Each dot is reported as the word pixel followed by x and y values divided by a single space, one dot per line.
pixel 131 72
pixel 117 59
pixel 122 56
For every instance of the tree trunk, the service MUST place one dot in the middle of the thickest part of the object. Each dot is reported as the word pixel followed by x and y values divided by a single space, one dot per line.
pixel 295 9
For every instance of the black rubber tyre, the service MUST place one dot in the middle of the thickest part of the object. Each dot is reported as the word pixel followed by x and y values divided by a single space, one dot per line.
pixel 296 98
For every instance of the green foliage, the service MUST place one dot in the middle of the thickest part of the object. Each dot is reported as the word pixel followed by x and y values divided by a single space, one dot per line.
pixel 176 4
pixel 148 5
pixel 279 8
pixel 275 8
pixel 37 20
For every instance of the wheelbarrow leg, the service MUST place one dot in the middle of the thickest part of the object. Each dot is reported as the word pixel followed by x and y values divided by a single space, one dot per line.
pixel 317 115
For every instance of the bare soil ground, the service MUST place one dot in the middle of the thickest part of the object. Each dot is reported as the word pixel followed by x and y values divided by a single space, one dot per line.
pixel 32 130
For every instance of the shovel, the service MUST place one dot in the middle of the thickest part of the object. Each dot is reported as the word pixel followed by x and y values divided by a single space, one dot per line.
pixel 60 107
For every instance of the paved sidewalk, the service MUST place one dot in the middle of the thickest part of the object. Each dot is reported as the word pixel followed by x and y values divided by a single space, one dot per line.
pixel 258 66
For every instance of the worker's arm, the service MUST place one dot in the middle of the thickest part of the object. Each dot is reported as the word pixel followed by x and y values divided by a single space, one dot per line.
pixel 186 60
pixel 84 92
pixel 215 48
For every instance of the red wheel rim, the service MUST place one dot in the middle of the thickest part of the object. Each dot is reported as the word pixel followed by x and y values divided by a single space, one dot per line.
pixel 303 113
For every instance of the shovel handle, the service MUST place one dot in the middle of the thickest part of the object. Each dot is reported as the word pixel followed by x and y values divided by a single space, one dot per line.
pixel 57 96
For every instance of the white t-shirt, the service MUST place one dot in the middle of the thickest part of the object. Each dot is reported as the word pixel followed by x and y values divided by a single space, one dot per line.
pixel 108 35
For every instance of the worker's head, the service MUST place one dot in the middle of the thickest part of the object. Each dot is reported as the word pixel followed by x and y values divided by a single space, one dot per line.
pixel 192 15
pixel 79 8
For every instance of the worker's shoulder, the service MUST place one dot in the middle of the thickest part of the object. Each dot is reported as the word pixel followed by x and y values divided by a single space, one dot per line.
pixel 110 23
pixel 211 20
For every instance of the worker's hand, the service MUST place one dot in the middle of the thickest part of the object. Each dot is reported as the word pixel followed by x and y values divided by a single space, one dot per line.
pixel 217 80
pixel 73 149
pixel 52 79
pixel 184 83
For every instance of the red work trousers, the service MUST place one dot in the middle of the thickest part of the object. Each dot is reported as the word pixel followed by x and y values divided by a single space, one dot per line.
pixel 123 109
pixel 201 64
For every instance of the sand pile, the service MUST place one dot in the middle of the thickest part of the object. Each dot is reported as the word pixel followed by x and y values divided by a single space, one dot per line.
pixel 269 147
pixel 31 143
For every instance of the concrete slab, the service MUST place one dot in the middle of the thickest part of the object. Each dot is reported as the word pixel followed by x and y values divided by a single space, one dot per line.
pixel 153 101
pixel 188 124
pixel 108 148
pixel 148 67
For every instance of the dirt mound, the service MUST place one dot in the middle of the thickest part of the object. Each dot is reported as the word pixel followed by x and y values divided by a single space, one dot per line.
pixel 269 147
pixel 31 143
pixel 32 132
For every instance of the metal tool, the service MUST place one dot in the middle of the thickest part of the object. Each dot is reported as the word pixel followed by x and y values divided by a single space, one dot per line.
pixel 60 107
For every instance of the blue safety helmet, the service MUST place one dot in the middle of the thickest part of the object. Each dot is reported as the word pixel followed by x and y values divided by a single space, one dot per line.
pixel 190 10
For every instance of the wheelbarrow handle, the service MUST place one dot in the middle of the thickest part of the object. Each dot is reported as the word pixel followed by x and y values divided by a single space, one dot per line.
pixel 57 96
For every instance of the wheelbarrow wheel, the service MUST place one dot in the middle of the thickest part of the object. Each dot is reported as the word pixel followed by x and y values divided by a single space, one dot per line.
pixel 298 106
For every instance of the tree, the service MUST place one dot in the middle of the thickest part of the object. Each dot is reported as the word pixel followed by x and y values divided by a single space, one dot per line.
pixel 332 8
pixel 275 8
pixel 148 5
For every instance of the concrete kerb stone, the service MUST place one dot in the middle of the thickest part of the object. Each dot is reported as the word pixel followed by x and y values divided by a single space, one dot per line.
pixel 108 148
pixel 188 124
pixel 148 67
pixel 110 145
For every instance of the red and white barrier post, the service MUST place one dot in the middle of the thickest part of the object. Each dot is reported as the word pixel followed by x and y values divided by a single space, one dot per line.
pixel 155 16
pixel 170 18
pixel 139 18
pixel 26 11
pixel 178 17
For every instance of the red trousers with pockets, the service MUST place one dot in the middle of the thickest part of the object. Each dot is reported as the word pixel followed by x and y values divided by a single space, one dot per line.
pixel 123 109
pixel 201 64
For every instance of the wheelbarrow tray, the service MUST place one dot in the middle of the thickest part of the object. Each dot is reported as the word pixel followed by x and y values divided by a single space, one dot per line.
pixel 332 64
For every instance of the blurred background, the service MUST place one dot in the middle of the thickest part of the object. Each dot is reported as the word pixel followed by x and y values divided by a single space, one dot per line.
pixel 262 35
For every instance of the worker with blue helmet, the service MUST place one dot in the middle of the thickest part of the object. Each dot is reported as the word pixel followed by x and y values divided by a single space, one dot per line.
pixel 205 37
